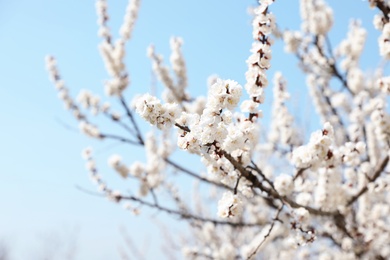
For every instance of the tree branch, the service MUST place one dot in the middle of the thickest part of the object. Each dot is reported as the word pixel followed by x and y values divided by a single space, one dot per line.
pixel 377 173
pixel 276 218
pixel 180 168
pixel 131 117
pixel 256 183
pixel 185 215
pixel 384 8
pixel 119 138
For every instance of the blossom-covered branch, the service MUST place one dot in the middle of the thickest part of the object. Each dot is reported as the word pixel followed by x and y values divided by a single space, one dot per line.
pixel 328 190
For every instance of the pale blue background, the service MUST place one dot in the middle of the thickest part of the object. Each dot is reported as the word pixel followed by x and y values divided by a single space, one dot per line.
pixel 40 162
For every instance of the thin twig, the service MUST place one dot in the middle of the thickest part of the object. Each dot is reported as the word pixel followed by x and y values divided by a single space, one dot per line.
pixel 133 248
pixel 123 125
pixel 184 128
pixel 276 218
pixel 332 65
pixel 97 194
pixel 259 171
pixel 180 168
pixel 154 196
pixel 329 236
pixel 186 215
pixel 67 126
pixel 119 138
pixel 336 114
pixel 131 117
pixel 299 173
pixel 236 186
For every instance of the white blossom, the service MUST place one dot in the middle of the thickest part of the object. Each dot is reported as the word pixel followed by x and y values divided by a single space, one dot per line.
pixel 229 206
pixel 317 152
pixel 384 85
pixel 292 40
pixel 151 109
pixel 130 18
pixel 89 129
pixel 115 162
pixel 317 16
pixel 384 42
pixel 224 94
pixel 284 184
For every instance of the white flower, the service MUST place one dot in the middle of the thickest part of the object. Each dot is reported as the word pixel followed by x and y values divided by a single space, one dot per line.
pixel 284 184
pixel 302 215
pixel 130 18
pixel 86 153
pixel 304 198
pixel 355 79
pixel 89 129
pixel 317 152
pixel 384 42
pixel 137 169
pixel 379 21
pixel 317 16
pixel 115 196
pixel 292 40
pixel 347 244
pixel 384 84
pixel 178 65
pixel 229 206
pixel 150 108
pixel 115 162
pixel 224 94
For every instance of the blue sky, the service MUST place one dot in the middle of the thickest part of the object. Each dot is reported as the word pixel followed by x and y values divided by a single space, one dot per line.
pixel 40 158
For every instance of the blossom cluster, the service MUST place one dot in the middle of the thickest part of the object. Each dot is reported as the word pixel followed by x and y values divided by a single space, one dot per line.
pixel 318 152
pixel 151 109
pixel 175 91
pixel 259 61
pixel 87 100
pixel 317 17
pixel 229 206
pixel 352 47
pixel 282 129
pixel 113 53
